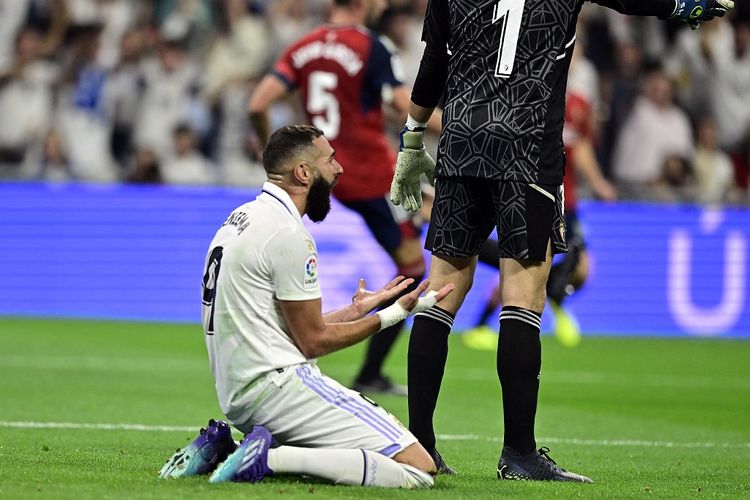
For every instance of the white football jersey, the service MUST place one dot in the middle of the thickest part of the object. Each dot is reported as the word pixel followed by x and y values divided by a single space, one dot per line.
pixel 260 254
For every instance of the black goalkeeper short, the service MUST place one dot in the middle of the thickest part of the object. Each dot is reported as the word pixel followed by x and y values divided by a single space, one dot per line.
pixel 467 209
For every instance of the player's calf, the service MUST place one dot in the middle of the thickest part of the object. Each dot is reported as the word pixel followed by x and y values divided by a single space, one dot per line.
pixel 253 460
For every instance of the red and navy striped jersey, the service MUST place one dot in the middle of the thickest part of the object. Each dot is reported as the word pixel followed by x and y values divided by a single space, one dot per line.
pixel 342 74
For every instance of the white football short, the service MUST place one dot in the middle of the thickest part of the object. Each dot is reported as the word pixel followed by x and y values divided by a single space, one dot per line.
pixel 302 407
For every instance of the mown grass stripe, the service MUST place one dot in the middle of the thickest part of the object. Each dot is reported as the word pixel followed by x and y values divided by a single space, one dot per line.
pixel 446 437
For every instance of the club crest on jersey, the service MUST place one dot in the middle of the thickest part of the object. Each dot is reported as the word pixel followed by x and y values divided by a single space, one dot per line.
pixel 311 271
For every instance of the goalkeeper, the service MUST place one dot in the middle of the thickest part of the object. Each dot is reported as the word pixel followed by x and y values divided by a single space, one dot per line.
pixel 500 166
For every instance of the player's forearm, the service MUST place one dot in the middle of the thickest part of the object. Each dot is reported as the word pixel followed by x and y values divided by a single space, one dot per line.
pixel 348 313
pixel 421 114
pixel 270 89
pixel 659 8
pixel 586 162
pixel 431 79
pixel 337 336
pixel 260 123
pixel 588 165
pixel 435 123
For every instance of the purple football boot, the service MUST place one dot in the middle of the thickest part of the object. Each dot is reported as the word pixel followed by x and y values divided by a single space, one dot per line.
pixel 249 463
pixel 212 446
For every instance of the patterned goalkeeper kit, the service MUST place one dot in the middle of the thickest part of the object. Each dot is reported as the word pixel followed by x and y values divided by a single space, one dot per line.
pixel 500 160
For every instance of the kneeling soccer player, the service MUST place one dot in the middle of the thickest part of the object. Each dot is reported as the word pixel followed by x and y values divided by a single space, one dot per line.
pixel 264 328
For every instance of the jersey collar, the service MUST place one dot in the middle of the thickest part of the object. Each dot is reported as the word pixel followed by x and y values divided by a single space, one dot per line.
pixel 275 194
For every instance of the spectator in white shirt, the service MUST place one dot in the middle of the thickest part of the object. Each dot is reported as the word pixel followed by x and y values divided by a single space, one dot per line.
pixel 655 130
pixel 188 165
pixel 124 94
pixel 169 91
pixel 730 87
pixel 25 103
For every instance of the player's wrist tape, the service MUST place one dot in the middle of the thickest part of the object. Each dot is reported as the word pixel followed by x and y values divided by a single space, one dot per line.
pixel 392 315
pixel 395 312
pixel 413 124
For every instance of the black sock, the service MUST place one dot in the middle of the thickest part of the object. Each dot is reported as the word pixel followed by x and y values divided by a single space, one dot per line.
pixel 428 351
pixel 519 361
pixel 381 343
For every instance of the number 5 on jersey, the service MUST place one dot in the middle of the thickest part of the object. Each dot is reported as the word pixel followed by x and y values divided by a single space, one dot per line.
pixel 508 13
pixel 322 103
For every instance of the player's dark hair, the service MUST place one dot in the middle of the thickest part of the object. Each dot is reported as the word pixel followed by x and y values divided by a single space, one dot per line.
pixel 286 143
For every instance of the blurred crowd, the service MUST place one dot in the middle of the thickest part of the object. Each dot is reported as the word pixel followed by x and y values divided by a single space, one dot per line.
pixel 156 91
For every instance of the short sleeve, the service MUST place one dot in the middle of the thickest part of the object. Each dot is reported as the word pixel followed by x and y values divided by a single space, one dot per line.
pixel 383 66
pixel 578 113
pixel 285 70
pixel 294 264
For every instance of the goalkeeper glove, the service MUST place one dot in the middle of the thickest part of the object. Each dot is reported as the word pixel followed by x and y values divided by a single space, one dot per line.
pixel 411 163
pixel 696 11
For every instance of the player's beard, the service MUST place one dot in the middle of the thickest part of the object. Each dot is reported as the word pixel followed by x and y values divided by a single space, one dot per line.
pixel 319 199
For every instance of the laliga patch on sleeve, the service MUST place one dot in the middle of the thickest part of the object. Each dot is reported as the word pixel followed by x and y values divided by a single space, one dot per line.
pixel 311 271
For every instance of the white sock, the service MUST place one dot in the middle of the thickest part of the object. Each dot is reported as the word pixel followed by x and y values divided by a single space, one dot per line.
pixel 353 467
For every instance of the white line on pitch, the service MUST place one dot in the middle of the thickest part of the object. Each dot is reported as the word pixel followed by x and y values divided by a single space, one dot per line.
pixel 445 437
pixel 98 426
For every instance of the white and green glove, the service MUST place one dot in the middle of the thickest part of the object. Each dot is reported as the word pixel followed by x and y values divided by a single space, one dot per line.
pixel 411 163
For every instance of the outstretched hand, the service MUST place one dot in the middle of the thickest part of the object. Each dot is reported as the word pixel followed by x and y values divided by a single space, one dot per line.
pixel 698 11
pixel 411 304
pixel 365 300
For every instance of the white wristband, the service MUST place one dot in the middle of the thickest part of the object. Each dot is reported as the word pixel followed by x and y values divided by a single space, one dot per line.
pixel 392 315
pixel 413 124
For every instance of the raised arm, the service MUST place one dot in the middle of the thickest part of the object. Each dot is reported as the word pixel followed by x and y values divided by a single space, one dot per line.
pixel 659 8
pixel 270 89
pixel 693 12
pixel 282 80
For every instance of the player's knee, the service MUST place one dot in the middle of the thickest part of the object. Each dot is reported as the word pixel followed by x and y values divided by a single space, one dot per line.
pixel 529 296
pixel 416 456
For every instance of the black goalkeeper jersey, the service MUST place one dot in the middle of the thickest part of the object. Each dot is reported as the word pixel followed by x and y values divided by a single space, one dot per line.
pixel 504 95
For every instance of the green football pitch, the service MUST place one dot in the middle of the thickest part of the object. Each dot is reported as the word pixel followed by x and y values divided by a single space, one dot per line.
pixel 92 410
